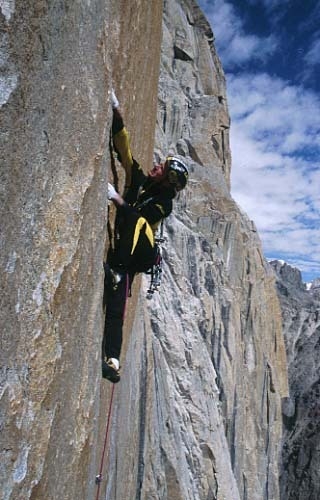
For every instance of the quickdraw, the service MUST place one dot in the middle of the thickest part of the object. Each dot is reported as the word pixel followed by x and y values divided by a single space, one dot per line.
pixel 156 270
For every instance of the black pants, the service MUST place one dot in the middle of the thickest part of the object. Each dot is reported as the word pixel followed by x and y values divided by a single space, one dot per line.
pixel 116 297
pixel 135 252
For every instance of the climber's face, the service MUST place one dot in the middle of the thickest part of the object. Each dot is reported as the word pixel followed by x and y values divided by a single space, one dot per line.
pixel 157 172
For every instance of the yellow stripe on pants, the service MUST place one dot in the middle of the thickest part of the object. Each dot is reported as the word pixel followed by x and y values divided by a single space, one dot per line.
pixel 149 233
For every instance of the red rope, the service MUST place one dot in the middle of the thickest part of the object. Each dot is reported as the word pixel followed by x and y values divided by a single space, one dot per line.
pixel 127 295
pixel 99 477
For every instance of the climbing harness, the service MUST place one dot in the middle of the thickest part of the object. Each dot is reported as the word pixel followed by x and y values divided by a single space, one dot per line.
pixel 99 476
pixel 156 270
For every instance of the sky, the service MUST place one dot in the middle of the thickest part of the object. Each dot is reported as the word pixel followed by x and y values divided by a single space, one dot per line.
pixel 270 52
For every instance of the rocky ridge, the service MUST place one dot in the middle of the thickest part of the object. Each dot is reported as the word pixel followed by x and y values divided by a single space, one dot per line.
pixel 300 478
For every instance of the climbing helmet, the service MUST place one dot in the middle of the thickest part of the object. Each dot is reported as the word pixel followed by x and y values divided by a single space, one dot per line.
pixel 177 172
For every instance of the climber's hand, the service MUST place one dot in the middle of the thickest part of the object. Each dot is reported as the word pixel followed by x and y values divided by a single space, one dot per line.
pixel 114 101
pixel 112 193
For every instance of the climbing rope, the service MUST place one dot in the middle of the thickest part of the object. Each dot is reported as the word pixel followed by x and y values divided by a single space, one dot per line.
pixel 128 294
pixel 156 270
pixel 99 476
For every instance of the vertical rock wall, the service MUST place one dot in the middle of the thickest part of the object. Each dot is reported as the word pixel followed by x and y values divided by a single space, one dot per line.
pixel 58 61
pixel 300 476
pixel 198 413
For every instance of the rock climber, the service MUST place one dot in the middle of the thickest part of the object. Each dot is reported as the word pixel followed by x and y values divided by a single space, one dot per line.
pixel 146 201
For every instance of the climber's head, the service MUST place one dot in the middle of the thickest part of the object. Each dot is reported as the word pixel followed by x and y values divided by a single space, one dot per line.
pixel 172 172
pixel 176 172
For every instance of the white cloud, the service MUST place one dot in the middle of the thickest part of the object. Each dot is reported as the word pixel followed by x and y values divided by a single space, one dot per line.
pixel 235 46
pixel 275 138
pixel 311 268
pixel 281 117
pixel 269 4
pixel 274 125
pixel 312 57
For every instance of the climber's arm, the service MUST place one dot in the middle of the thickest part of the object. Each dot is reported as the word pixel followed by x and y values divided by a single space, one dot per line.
pixel 134 173
pixel 121 141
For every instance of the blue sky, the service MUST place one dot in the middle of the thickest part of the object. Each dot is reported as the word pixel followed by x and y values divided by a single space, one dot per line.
pixel 270 52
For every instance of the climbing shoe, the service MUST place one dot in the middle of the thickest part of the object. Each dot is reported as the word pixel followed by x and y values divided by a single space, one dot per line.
pixel 116 278
pixel 111 369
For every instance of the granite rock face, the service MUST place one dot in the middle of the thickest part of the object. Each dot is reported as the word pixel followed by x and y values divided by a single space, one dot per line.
pixel 300 476
pixel 205 356
pixel 58 62
pixel 197 414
